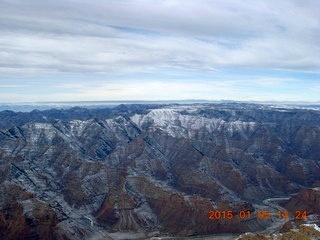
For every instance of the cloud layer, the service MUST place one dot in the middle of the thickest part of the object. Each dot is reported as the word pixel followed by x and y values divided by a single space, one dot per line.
pixel 141 35
pixel 200 39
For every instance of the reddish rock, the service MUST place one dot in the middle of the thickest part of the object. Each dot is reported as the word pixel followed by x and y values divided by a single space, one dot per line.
pixel 307 200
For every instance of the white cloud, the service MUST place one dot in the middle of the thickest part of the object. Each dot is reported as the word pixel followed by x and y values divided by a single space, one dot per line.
pixel 77 36
pixel 158 89
pixel 134 38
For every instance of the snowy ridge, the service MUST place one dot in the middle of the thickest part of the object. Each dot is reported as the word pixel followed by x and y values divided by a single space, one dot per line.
pixel 179 125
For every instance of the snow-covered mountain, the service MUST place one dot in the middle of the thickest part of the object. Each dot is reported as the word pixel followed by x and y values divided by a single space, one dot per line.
pixel 148 170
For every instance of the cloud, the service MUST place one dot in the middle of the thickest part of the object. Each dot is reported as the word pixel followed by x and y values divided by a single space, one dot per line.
pixel 256 88
pixel 157 50
pixel 134 90
pixel 140 36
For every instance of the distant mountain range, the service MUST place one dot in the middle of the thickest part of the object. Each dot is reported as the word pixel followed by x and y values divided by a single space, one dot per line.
pixel 146 170
pixel 30 106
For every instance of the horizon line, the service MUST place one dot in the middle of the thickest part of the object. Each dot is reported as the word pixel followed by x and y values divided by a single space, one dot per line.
pixel 155 101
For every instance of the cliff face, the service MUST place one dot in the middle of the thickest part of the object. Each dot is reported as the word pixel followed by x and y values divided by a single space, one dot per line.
pixel 22 216
pixel 307 200
pixel 144 169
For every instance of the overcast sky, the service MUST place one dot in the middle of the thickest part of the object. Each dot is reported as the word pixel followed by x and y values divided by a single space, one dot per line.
pixel 65 50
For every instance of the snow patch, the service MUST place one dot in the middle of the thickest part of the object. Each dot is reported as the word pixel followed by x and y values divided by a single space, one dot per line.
pixel 314 226
pixel 180 125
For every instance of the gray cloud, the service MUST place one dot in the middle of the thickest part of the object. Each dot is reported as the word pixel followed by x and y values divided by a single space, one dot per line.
pixel 150 35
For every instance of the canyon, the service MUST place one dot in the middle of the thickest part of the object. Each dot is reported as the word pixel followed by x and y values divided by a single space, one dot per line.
pixel 145 170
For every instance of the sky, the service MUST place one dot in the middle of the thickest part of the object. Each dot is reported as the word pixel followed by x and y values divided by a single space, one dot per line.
pixel 75 50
